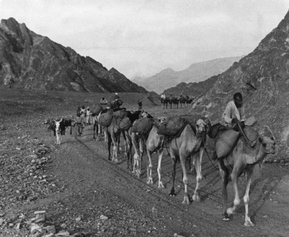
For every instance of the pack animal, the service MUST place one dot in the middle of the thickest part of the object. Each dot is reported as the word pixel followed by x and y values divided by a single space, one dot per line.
pixel 139 134
pixel 155 143
pixel 243 158
pixel 59 126
pixel 190 143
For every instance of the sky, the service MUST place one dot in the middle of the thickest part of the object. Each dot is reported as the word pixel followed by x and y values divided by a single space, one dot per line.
pixel 143 37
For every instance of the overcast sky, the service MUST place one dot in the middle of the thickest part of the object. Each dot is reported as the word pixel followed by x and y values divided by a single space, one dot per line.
pixel 143 37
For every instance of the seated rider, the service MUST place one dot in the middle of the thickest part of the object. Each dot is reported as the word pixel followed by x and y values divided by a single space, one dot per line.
pixel 116 97
pixel 234 111
pixel 232 118
pixel 103 101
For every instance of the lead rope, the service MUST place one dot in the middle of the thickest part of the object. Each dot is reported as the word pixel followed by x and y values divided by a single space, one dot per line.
pixel 210 159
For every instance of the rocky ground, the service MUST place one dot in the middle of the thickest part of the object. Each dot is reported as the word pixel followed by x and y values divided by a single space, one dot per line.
pixel 73 190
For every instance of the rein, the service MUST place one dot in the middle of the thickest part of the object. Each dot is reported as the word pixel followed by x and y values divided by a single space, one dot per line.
pixel 210 159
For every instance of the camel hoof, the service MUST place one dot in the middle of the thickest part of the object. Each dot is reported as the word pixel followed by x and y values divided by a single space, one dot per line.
pixel 230 211
pixel 226 217
pixel 161 185
pixel 172 193
pixel 150 181
pixel 196 198
pixel 249 223
pixel 186 200
pixel 137 173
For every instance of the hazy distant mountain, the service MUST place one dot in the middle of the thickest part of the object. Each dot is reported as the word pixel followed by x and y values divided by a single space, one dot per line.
pixel 29 60
pixel 196 72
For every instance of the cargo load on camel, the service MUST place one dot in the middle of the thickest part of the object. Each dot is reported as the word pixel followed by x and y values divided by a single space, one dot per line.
pixel 120 113
pixel 124 124
pixel 225 138
pixel 96 109
pixel 173 127
pixel 105 119
pixel 142 126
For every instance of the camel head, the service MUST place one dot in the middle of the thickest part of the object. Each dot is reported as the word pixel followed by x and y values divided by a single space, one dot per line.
pixel 203 125
pixel 162 119
pixel 268 140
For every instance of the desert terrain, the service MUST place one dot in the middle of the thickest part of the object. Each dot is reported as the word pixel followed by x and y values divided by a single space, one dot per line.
pixel 84 194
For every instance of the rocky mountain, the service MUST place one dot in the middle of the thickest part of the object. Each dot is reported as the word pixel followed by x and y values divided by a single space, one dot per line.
pixel 196 72
pixel 29 60
pixel 263 78
pixel 192 89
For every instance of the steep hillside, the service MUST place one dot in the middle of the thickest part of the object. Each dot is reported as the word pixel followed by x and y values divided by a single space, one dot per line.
pixel 196 72
pixel 29 60
pixel 263 78
pixel 193 89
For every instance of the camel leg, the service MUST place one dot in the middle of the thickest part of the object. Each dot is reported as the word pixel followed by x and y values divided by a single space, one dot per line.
pixel 248 221
pixel 234 176
pixel 198 165
pixel 149 167
pixel 160 152
pixel 109 141
pixel 225 180
pixel 174 160
pixel 139 160
pixel 128 150
pixel 185 179
pixel 115 147
pixel 94 131
pixel 136 152
pixel 105 133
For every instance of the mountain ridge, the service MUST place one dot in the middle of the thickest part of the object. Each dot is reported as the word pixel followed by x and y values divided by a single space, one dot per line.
pixel 200 71
pixel 30 60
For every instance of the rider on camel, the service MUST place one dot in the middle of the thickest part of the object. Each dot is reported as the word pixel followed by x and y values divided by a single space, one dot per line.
pixel 234 111
pixel 116 96
pixel 103 101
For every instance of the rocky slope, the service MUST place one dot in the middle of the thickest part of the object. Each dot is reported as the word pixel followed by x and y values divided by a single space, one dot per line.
pixel 263 78
pixel 168 78
pixel 29 60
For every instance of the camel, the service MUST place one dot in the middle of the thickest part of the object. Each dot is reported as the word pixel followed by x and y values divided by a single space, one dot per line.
pixel 155 143
pixel 188 145
pixel 243 158
pixel 138 142
pixel 113 132
pixel 125 125
pixel 164 102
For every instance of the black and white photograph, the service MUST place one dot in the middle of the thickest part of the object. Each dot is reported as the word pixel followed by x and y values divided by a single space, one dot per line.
pixel 165 118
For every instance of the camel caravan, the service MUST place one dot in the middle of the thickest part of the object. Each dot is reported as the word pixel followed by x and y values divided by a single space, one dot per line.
pixel 173 102
pixel 233 144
